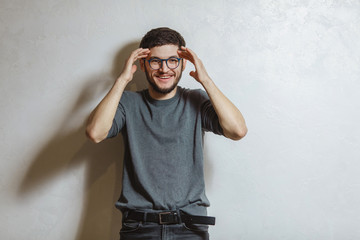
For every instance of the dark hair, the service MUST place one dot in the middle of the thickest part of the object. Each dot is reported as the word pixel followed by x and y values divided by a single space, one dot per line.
pixel 162 36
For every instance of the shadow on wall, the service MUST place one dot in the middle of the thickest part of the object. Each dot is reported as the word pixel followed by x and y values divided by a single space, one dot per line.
pixel 67 150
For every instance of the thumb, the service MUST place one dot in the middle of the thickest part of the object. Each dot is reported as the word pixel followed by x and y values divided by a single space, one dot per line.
pixel 133 69
pixel 193 74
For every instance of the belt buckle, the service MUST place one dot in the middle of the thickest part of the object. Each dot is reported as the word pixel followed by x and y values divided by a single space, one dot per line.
pixel 161 221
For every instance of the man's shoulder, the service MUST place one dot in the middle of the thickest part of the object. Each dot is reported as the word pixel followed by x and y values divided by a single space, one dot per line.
pixel 194 93
pixel 131 98
pixel 132 95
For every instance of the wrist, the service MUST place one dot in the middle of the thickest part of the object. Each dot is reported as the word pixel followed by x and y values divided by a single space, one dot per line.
pixel 205 82
pixel 123 80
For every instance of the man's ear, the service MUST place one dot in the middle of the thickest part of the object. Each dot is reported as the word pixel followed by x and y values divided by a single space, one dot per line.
pixel 183 64
pixel 142 64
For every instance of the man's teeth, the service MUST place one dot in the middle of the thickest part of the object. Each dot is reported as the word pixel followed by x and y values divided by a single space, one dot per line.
pixel 164 77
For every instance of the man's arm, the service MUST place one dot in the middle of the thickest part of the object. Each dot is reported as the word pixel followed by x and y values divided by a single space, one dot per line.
pixel 230 118
pixel 101 118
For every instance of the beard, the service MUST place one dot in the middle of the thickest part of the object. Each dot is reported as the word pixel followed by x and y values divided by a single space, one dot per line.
pixel 162 90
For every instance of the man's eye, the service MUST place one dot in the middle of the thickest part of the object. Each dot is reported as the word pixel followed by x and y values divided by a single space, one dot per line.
pixel 156 61
pixel 173 60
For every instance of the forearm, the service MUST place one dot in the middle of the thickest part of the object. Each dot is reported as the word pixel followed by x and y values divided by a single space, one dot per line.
pixel 230 118
pixel 101 118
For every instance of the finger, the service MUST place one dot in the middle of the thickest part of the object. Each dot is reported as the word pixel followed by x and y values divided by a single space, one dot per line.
pixel 136 51
pixel 193 74
pixel 186 55
pixel 138 54
pixel 133 55
pixel 140 51
pixel 191 52
pixel 144 53
pixel 133 69
pixel 142 56
pixel 183 50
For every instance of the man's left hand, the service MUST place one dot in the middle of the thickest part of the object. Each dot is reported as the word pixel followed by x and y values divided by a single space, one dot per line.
pixel 200 73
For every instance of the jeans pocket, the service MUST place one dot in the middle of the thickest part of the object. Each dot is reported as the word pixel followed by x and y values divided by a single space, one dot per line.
pixel 196 227
pixel 130 226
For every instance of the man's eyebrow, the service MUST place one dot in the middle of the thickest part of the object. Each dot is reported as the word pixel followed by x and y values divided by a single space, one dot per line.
pixel 154 57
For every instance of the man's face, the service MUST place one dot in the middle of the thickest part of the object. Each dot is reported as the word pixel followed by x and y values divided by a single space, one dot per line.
pixel 164 80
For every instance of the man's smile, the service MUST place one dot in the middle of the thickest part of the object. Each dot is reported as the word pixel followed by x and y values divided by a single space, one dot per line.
pixel 164 77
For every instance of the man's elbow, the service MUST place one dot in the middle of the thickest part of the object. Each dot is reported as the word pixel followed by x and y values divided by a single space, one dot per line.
pixel 238 134
pixel 94 136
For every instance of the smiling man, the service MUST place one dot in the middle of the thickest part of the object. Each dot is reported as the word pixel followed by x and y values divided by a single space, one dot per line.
pixel 163 193
pixel 164 78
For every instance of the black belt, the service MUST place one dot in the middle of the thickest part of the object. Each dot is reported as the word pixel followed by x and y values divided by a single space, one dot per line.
pixel 169 217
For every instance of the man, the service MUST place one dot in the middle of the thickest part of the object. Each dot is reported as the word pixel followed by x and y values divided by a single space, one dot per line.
pixel 163 193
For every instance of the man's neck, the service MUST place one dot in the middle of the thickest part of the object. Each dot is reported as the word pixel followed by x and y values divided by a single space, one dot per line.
pixel 161 96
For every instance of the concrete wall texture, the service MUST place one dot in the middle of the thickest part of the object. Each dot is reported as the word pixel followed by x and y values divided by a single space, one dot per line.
pixel 291 66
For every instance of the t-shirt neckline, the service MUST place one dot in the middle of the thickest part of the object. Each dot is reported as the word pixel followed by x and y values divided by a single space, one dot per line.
pixel 162 102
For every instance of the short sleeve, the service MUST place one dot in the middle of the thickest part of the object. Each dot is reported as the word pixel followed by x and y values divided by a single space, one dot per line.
pixel 118 122
pixel 209 118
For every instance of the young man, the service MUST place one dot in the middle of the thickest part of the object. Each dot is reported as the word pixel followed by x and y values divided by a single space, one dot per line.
pixel 163 194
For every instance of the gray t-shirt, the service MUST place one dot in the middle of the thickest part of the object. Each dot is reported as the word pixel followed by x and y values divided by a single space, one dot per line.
pixel 163 161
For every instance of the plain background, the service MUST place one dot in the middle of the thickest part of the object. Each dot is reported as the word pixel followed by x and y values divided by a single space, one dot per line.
pixel 291 66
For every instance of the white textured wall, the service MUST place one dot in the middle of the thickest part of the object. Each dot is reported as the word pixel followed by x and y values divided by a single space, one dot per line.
pixel 292 67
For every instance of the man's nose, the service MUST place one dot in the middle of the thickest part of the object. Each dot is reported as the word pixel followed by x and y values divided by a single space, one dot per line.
pixel 163 67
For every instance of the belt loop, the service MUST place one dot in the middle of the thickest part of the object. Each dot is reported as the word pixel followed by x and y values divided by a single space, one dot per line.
pixel 179 215
pixel 144 217
pixel 125 214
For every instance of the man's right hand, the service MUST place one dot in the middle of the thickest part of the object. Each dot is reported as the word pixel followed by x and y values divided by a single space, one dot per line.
pixel 130 68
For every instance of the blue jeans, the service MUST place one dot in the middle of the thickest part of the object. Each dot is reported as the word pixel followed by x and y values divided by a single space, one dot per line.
pixel 133 230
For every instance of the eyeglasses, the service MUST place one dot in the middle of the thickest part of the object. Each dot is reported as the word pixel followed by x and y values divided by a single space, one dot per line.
pixel 171 63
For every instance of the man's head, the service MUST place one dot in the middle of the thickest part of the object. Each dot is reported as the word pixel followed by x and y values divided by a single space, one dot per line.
pixel 163 43
pixel 162 36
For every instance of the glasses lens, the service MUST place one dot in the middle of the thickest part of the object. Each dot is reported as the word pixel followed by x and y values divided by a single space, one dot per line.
pixel 155 64
pixel 172 63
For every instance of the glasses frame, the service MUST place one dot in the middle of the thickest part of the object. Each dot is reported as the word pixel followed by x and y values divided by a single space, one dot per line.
pixel 166 61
